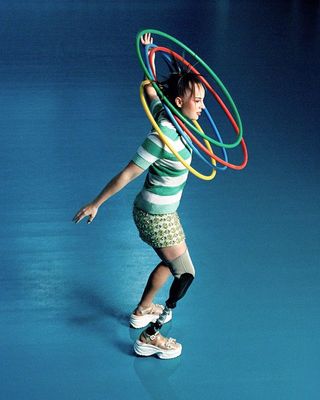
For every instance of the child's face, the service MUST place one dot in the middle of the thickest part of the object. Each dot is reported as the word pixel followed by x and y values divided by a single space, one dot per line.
pixel 191 104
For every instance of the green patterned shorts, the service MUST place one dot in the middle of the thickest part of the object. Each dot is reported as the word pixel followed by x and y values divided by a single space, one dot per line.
pixel 158 230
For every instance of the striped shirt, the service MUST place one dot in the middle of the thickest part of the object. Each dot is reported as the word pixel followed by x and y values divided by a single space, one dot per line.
pixel 166 176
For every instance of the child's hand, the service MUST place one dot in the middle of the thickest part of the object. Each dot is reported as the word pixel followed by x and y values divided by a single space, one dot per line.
pixel 89 210
pixel 146 39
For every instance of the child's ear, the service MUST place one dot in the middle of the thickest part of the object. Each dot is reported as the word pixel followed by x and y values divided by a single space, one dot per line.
pixel 178 101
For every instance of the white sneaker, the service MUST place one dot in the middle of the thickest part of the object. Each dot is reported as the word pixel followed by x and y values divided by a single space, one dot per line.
pixel 162 347
pixel 148 314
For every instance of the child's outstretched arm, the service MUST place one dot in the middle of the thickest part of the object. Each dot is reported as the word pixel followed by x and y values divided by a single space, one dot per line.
pixel 150 92
pixel 128 174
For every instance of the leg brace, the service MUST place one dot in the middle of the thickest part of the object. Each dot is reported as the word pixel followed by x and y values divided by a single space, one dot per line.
pixel 183 272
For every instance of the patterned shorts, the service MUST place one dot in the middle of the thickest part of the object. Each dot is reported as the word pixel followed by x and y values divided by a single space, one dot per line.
pixel 158 230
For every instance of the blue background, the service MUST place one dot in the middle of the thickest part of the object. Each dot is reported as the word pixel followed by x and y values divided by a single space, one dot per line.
pixel 71 119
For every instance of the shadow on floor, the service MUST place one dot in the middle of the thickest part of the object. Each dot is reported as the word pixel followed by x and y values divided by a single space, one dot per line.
pixel 95 312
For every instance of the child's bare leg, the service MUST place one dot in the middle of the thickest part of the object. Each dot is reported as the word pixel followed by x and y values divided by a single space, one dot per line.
pixel 157 279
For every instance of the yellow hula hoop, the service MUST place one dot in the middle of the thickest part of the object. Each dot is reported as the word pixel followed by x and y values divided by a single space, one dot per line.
pixel 166 142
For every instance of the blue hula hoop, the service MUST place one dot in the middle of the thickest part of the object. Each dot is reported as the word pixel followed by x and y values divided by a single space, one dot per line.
pixel 177 126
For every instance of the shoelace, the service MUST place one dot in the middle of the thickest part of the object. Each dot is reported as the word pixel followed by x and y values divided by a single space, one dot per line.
pixel 170 343
pixel 152 309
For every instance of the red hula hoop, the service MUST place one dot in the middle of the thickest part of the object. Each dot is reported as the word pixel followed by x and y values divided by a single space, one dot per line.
pixel 219 100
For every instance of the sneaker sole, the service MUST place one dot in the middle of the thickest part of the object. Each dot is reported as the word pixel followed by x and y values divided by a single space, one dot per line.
pixel 141 321
pixel 147 350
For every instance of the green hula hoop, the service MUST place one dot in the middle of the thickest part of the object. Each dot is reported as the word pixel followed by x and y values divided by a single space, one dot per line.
pixel 211 73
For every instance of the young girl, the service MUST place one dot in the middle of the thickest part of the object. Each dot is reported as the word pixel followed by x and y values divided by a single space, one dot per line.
pixel 155 208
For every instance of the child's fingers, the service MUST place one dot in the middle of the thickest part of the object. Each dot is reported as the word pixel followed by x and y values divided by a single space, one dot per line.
pixel 146 39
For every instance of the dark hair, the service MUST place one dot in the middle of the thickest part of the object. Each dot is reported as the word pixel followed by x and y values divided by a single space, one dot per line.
pixel 179 81
pixel 178 84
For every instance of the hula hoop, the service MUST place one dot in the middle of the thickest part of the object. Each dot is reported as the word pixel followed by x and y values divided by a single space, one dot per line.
pixel 243 145
pixel 186 130
pixel 204 81
pixel 211 73
pixel 180 127
pixel 220 160
pixel 167 143
pixel 188 139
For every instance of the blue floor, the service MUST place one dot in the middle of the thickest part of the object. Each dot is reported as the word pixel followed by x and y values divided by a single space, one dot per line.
pixel 71 119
